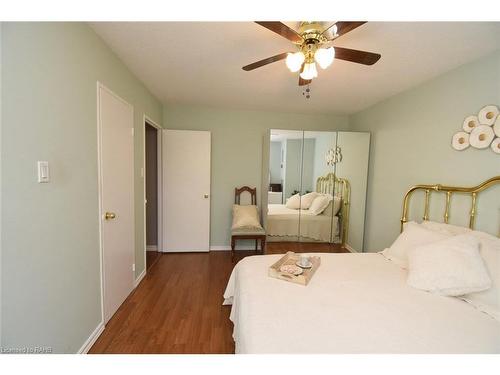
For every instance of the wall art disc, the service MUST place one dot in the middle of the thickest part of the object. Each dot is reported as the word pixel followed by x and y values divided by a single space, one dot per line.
pixel 460 141
pixel 487 115
pixel 496 127
pixel 481 136
pixel 470 123
pixel 495 145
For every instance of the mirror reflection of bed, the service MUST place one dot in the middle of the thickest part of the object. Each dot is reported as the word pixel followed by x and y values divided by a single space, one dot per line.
pixel 313 178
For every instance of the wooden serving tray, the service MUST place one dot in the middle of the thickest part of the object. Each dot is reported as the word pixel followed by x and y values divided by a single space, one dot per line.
pixel 291 258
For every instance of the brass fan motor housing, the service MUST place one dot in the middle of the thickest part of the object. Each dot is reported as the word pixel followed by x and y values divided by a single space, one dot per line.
pixel 312 32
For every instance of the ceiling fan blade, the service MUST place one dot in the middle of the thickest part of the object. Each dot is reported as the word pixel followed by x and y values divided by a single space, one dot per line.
pixel 360 57
pixel 263 62
pixel 282 29
pixel 343 27
pixel 303 82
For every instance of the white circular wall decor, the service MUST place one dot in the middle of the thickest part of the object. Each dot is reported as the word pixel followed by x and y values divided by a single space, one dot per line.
pixel 481 136
pixel 495 145
pixel 460 141
pixel 496 127
pixel 470 123
pixel 488 114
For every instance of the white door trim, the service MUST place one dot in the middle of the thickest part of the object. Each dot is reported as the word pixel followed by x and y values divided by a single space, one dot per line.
pixel 99 188
pixel 159 198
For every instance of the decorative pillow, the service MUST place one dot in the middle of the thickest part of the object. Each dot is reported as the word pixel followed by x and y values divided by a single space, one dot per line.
pixel 336 205
pixel 307 199
pixel 293 202
pixel 414 235
pixel 333 207
pixel 450 229
pixel 245 217
pixel 319 204
pixel 488 301
pixel 450 267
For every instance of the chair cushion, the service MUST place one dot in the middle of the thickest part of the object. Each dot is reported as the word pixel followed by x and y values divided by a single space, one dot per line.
pixel 248 232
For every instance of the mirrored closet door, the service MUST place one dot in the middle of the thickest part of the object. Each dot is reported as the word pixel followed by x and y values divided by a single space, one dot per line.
pixel 353 150
pixel 317 220
pixel 285 169
pixel 317 187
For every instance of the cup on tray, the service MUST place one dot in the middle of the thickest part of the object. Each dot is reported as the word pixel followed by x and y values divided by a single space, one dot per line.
pixel 304 261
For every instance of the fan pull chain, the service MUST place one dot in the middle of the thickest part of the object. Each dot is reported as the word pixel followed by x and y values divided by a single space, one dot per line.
pixel 307 92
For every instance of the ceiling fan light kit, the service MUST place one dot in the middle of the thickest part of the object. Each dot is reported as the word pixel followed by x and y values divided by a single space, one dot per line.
pixel 324 57
pixel 313 41
pixel 294 61
pixel 309 71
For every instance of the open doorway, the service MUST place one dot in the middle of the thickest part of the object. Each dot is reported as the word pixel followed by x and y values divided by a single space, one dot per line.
pixel 152 188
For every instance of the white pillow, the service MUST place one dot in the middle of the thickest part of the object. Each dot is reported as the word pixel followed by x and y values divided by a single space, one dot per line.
pixel 336 205
pixel 450 229
pixel 451 267
pixel 307 199
pixel 488 301
pixel 319 204
pixel 245 217
pixel 333 207
pixel 293 202
pixel 413 235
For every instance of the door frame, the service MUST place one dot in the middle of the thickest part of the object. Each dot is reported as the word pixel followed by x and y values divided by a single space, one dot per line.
pixel 159 198
pixel 99 187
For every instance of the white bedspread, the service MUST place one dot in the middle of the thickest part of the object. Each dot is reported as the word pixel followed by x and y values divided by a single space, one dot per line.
pixel 355 303
pixel 283 221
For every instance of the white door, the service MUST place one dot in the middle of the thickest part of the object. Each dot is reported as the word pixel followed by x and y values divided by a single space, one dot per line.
pixel 186 190
pixel 116 161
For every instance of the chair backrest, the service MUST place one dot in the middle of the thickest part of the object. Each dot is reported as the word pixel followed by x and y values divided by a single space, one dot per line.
pixel 251 191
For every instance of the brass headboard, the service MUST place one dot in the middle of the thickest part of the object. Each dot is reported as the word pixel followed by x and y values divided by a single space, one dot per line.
pixel 473 191
pixel 340 187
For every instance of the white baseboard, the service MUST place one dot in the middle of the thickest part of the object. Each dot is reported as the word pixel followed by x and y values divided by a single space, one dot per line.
pixel 348 247
pixel 140 277
pixel 92 339
pixel 100 328
pixel 151 248
pixel 227 248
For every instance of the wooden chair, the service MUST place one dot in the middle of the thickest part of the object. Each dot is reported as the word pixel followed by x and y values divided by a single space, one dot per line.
pixel 247 234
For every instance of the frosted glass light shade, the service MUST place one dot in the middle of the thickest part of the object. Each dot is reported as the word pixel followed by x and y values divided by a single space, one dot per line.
pixel 324 57
pixel 309 72
pixel 294 61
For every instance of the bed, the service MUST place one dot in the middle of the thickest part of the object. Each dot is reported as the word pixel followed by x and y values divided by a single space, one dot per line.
pixel 285 224
pixel 355 303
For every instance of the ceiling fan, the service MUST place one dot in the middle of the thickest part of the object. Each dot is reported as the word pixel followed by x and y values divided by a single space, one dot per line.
pixel 313 42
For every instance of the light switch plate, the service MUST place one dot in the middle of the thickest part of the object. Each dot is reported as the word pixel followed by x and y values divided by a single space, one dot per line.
pixel 43 171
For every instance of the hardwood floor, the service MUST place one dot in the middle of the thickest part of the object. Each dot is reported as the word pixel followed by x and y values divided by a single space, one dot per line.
pixel 177 308
pixel 151 258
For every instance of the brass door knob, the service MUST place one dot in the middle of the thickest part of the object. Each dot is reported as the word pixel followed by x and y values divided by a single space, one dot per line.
pixel 109 215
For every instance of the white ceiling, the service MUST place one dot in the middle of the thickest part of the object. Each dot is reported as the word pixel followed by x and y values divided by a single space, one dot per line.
pixel 200 62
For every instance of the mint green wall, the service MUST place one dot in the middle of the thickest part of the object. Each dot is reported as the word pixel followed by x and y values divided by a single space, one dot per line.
pixel 411 137
pixel 323 142
pixel 50 232
pixel 299 161
pixel 275 163
pixel 238 137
